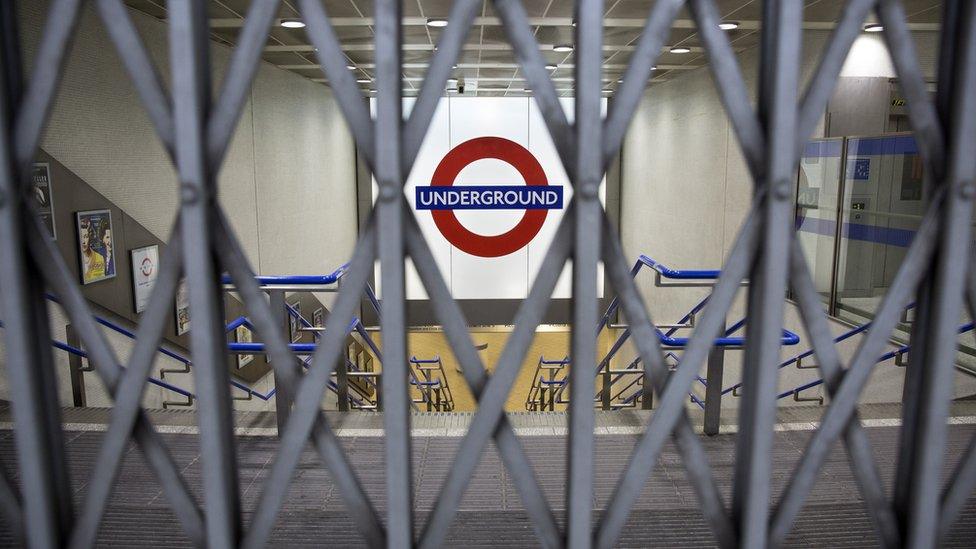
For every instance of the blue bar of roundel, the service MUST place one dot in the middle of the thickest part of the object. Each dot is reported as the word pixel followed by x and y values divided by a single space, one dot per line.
pixel 551 197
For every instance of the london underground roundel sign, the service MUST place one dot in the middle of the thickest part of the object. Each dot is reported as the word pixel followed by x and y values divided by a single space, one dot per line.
pixel 535 197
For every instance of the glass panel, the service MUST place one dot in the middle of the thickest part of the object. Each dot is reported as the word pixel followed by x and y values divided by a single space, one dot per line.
pixel 884 199
pixel 816 208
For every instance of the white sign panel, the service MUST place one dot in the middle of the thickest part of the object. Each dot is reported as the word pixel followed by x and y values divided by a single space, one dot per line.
pixel 488 191
pixel 145 269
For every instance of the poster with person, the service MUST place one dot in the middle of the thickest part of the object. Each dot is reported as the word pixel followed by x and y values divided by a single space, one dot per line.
pixel 242 334
pixel 97 253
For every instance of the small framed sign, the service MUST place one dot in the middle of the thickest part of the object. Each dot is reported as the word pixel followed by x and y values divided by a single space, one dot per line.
pixel 43 196
pixel 294 324
pixel 145 269
pixel 182 308
pixel 243 334
pixel 318 318
pixel 95 245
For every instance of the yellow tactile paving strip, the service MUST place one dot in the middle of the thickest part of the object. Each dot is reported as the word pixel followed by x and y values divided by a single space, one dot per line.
pixel 551 342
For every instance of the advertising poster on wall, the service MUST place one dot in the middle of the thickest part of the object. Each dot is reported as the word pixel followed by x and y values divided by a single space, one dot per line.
pixel 145 269
pixel 182 308
pixel 243 334
pixel 318 318
pixel 97 253
pixel 43 197
pixel 294 325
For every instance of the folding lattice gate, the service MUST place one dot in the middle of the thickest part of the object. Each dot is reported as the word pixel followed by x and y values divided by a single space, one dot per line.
pixel 195 131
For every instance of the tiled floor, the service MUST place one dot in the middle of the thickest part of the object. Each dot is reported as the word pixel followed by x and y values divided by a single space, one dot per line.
pixel 665 515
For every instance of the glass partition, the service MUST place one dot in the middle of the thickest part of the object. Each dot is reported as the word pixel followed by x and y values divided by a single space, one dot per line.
pixel 818 187
pixel 883 200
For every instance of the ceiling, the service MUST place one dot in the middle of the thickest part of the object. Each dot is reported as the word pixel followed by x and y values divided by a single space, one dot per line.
pixel 487 64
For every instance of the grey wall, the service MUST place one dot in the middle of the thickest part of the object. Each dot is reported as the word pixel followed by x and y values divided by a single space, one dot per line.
pixel 287 184
pixel 686 191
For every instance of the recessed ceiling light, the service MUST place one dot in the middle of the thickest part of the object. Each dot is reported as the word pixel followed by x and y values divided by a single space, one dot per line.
pixel 873 27
pixel 351 67
pixel 436 22
pixel 551 67
pixel 680 49
pixel 728 25
pixel 363 81
pixel 654 68
pixel 292 23
pixel 562 48
pixel 526 90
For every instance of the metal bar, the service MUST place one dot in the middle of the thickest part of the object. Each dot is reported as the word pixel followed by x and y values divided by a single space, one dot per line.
pixel 283 396
pixel 779 79
pixel 76 371
pixel 441 66
pixel 657 29
pixel 59 277
pixel 948 280
pixel 145 78
pixel 588 130
pixel 328 51
pixel 858 446
pixel 240 73
pixel 844 402
pixel 644 457
pixel 128 397
pixel 529 58
pixel 189 59
pixel 310 416
pixel 492 391
pixel 713 390
pixel 48 64
pixel 388 173
pixel 724 65
pixel 47 513
pixel 823 82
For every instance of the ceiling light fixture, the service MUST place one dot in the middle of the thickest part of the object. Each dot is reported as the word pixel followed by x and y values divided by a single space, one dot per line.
pixel 351 67
pixel 680 49
pixel 873 27
pixel 436 22
pixel 728 25
pixel 292 23
pixel 551 67
pixel 363 81
pixel 562 48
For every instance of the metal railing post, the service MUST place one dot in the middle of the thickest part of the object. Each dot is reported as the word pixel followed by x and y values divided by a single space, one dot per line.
pixel 342 385
pixel 283 397
pixel 75 368
pixel 713 389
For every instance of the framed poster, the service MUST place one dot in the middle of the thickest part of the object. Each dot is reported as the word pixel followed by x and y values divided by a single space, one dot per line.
pixel 295 325
pixel 43 197
pixel 96 251
pixel 182 308
pixel 145 269
pixel 318 318
pixel 242 334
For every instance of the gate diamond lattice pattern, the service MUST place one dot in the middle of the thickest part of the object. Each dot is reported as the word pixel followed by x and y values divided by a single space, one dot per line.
pixel 196 132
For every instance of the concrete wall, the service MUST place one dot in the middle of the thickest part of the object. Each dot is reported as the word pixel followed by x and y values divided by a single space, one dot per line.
pixel 686 191
pixel 287 184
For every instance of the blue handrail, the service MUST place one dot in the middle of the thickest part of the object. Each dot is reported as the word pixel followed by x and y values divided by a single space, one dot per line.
pixel 295 280
pixel 887 356
pixel 679 274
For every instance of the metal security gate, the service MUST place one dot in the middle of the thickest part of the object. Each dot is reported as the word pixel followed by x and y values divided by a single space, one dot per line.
pixel 196 131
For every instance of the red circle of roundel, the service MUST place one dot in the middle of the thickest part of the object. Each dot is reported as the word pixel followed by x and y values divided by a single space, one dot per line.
pixel 532 174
